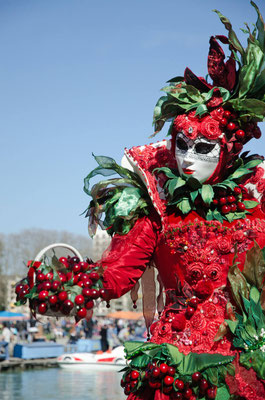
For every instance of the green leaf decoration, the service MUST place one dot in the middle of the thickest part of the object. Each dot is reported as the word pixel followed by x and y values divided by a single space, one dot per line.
pixel 193 183
pixel 184 206
pixel 238 284
pixel 222 393
pixel 207 194
pixel 254 267
pixel 250 204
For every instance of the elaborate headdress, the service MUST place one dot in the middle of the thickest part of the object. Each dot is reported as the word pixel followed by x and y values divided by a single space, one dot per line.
pixel 228 108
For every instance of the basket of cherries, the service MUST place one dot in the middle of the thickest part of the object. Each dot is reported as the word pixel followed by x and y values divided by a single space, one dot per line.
pixel 59 287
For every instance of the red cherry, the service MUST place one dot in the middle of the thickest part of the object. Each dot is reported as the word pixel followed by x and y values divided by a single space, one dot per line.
pixel 40 277
pixel 103 294
pixel 69 276
pixel 55 285
pixel 189 311
pixel 84 276
pixel 44 294
pixel 211 393
pixel 80 283
pixel 222 201
pixel 196 377
pixel 64 261
pixel 203 384
pixel 42 308
pixel 22 293
pixel 168 380
pixel 89 304
pixel 87 283
pixel 123 383
pixel 167 389
pixel 62 277
pixel 223 122
pixel 240 134
pixel 134 384
pixel 94 294
pixel 49 276
pixel 134 375
pixel 68 304
pixel 39 287
pixel 82 312
pixel 155 384
pixel 187 393
pixel 86 292
pixel 79 299
pixel 19 287
pixel 233 207
pixel 127 389
pixel 178 396
pixel 76 269
pixel 75 279
pixel 215 202
pixel 74 260
pixel 84 265
pixel 194 301
pixel 53 299
pixel 231 199
pixel 226 209
pixel 127 378
pixel 227 114
pixel 241 206
pixel 171 371
pixel 47 285
pixel 155 372
pixel 231 126
pixel 163 368
pixel 63 295
pixel 94 276
pixel 237 190
pixel 179 384
pixel 257 133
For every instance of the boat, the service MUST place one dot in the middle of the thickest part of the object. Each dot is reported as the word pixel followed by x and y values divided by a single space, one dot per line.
pixel 108 360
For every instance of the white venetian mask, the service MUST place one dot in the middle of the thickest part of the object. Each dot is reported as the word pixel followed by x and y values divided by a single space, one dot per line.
pixel 197 158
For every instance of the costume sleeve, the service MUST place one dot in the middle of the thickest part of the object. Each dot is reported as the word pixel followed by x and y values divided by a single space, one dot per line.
pixel 127 257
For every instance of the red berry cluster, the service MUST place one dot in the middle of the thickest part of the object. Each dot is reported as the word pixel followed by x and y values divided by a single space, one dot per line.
pixel 229 201
pixel 71 290
pixel 163 377
pixel 229 122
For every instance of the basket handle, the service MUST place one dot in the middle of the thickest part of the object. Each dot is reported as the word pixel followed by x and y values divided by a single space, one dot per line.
pixel 52 246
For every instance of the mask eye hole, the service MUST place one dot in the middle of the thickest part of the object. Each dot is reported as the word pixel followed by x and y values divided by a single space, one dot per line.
pixel 204 148
pixel 181 144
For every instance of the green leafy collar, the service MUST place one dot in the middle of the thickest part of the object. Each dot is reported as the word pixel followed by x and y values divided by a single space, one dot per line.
pixel 213 202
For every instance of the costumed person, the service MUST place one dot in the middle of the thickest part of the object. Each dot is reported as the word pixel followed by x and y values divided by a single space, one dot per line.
pixel 192 208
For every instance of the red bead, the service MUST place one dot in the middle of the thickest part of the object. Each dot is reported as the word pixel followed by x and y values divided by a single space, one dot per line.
pixel 134 384
pixel 237 190
pixel 231 199
pixel 187 393
pixel 76 269
pixel 68 304
pixel 240 134
pixel 64 261
pixel 231 126
pixel 215 202
pixel 171 371
pixel 47 285
pixel 53 299
pixel 222 201
pixel 55 285
pixel 155 372
pixel 223 121
pixel 241 206
pixel 190 311
pixel 62 277
pixel 40 277
pixel 163 368
pixel 127 389
pixel 87 283
pixel 134 375
pixel 194 302
pixel 80 283
pixel 226 209
pixel 79 299
pixel 233 207
pixel 19 287
pixel 89 304
pixel 103 293
pixel 82 312
pixel 168 380
pixel 86 292
pixel 84 265
pixel 69 276
pixel 44 294
pixel 203 384
pixel 196 377
pixel 211 393
pixel 22 293
pixel 42 308
pixel 179 384
pixel 63 295
pixel 94 294
pixel 94 276
pixel 49 276
pixel 227 114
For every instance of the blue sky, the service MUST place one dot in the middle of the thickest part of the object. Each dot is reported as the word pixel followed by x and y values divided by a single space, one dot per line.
pixel 79 76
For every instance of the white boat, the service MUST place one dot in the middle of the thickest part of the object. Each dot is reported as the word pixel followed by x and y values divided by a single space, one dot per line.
pixel 97 361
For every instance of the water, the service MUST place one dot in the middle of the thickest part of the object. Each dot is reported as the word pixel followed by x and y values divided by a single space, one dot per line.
pixel 59 384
